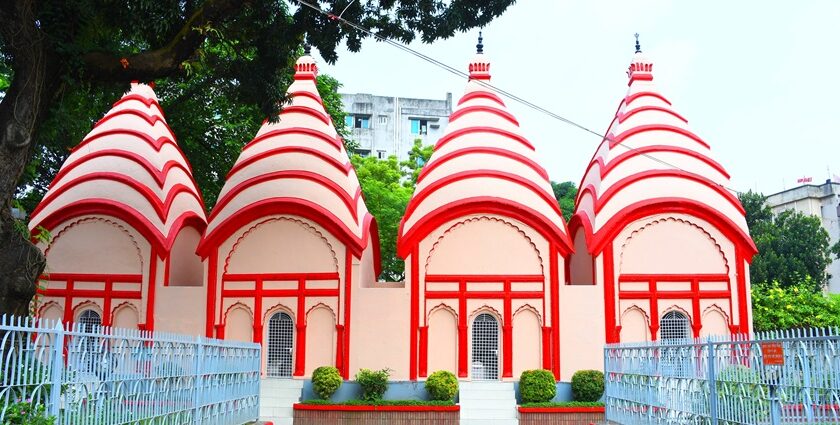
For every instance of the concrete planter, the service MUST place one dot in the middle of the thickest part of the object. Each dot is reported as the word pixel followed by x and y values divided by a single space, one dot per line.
pixel 560 415
pixel 316 414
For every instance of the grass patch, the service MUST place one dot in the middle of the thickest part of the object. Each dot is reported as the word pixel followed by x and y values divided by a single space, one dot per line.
pixel 565 404
pixel 381 403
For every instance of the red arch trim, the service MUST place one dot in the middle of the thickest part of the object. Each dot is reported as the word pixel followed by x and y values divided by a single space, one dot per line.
pixel 656 127
pixel 629 99
pixel 158 175
pixel 334 142
pixel 481 95
pixel 291 206
pixel 481 108
pixel 624 116
pixel 144 100
pixel 344 168
pixel 157 144
pixel 350 203
pixel 485 150
pixel 476 205
pixel 420 196
pixel 150 119
pixel 606 169
pixel 291 109
pixel 306 93
pixel 470 130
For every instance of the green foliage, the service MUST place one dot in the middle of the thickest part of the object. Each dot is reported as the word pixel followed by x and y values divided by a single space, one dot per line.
pixel 24 413
pixel 374 383
pixel 442 385
pixel 755 205
pixel 565 404
pixel 325 381
pixel 587 385
pixel 418 156
pixel 382 403
pixel 794 306
pixel 565 193
pixel 537 386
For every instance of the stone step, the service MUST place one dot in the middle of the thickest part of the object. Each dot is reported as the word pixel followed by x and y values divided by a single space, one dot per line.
pixel 489 421
pixel 486 395
pixel 489 413
pixel 282 392
pixel 486 385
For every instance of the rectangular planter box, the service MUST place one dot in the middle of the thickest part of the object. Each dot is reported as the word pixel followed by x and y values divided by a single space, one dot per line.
pixel 317 414
pixel 561 415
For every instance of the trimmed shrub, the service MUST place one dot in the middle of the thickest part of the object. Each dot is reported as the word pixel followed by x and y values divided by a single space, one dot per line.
pixel 325 381
pixel 23 413
pixel 587 385
pixel 537 386
pixel 442 385
pixel 374 383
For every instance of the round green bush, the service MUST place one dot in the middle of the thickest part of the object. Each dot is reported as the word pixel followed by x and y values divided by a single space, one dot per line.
pixel 537 386
pixel 374 383
pixel 588 385
pixel 442 385
pixel 325 381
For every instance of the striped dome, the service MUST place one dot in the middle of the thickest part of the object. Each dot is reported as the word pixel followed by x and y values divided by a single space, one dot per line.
pixel 130 167
pixel 650 157
pixel 297 166
pixel 482 163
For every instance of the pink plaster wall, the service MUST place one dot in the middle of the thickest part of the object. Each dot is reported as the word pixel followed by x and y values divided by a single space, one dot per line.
pixel 185 267
pixel 320 338
pixel 443 340
pixel 527 341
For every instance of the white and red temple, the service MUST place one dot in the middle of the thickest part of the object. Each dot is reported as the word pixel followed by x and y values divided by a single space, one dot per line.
pixel 495 282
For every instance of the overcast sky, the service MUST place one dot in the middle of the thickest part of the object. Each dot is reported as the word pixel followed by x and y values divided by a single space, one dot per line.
pixel 757 80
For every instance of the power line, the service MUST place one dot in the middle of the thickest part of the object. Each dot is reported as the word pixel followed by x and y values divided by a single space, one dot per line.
pixel 501 91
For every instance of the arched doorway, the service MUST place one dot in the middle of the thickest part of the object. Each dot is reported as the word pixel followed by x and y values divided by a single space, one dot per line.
pixel 280 346
pixel 485 347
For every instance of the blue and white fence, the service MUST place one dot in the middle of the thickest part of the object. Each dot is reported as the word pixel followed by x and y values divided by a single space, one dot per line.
pixel 726 380
pixel 99 375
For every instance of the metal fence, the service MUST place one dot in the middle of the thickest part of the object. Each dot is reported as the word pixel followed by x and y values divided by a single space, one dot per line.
pixel 102 375
pixel 766 378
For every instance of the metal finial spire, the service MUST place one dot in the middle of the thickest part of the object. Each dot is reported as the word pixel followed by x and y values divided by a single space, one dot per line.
pixel 479 48
pixel 638 46
pixel 307 49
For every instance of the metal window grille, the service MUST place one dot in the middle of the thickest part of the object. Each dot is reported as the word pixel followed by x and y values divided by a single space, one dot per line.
pixel 90 322
pixel 674 327
pixel 280 345
pixel 485 347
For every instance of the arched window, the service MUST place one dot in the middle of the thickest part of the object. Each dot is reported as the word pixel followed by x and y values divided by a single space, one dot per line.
pixel 88 349
pixel 485 347
pixel 280 345
pixel 674 326
pixel 90 321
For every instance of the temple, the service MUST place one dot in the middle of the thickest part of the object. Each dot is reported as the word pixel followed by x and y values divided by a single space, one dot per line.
pixel 496 283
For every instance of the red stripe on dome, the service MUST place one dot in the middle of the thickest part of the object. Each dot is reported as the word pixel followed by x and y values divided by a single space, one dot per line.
pixel 344 168
pixel 418 197
pixel 309 94
pixel 656 127
pixel 334 142
pixel 624 116
pixel 290 174
pixel 482 150
pixel 308 111
pixel 630 98
pixel 471 130
pixel 149 119
pixel 158 175
pixel 481 108
pixel 157 144
pixel 659 148
pixel 481 95
pixel 148 101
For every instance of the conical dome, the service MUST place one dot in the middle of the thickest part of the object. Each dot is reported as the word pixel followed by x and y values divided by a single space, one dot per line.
pixel 482 162
pixel 297 165
pixel 649 158
pixel 129 166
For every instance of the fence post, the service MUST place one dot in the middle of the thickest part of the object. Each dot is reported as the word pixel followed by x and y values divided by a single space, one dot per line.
pixel 199 380
pixel 56 371
pixel 710 359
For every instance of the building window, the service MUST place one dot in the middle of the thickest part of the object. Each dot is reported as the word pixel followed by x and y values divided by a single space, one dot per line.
pixel 380 154
pixel 674 327
pixel 361 121
pixel 348 120
pixel 383 119
pixel 419 126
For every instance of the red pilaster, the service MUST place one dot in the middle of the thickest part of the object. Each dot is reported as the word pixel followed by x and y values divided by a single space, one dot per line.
pixel 424 348
pixel 211 292
pixel 220 331
pixel 695 307
pixel 743 296
pixel 300 349
pixel 348 287
pixel 415 305
pixel 339 350
pixel 106 303
pixel 258 315
pixel 507 334
pixel 654 310
pixel 68 301
pixel 555 310
pixel 546 347
pixel 609 295
pixel 462 330
pixel 150 302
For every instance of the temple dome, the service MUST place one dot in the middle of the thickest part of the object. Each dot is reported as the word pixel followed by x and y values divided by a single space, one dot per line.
pixel 651 159
pixel 297 165
pixel 129 166
pixel 482 163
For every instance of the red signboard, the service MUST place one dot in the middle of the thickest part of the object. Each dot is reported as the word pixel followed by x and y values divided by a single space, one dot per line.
pixel 773 354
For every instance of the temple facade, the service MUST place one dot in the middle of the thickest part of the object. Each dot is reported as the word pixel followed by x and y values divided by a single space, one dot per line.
pixel 496 283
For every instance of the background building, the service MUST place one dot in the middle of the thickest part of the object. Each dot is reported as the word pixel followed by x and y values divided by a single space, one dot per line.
pixel 386 125
pixel 819 200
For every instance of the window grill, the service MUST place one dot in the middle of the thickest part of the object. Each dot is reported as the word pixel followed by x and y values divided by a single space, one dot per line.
pixel 674 327
pixel 485 347
pixel 280 346
pixel 90 322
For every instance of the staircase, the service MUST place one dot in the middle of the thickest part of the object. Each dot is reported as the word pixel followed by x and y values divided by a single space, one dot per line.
pixel 276 399
pixel 487 403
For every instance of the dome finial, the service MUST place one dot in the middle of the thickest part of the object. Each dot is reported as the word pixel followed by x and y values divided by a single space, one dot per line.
pixel 307 48
pixel 479 48
pixel 638 46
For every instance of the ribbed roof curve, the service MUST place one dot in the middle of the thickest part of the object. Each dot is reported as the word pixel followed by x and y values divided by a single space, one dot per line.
pixel 129 166
pixel 482 163
pixel 651 159
pixel 297 165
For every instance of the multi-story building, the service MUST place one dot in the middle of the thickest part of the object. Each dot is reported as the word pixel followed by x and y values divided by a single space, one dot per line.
pixel 822 201
pixel 387 125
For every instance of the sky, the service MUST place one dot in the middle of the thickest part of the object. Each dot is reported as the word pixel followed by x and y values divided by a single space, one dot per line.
pixel 757 80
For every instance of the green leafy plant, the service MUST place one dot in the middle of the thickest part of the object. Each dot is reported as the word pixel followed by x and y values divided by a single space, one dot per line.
pixel 442 385
pixel 536 386
pixel 565 404
pixel 374 383
pixel 587 385
pixel 796 306
pixel 23 413
pixel 325 381
pixel 381 403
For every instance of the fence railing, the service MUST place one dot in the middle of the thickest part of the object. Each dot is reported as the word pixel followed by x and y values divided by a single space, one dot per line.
pixel 100 375
pixel 766 378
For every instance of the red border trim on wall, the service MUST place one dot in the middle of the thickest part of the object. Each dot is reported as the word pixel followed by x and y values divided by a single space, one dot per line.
pixel 560 409
pixel 346 408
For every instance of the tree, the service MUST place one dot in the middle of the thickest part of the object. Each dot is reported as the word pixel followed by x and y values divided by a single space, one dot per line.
pixel 796 306
pixel 48 47
pixel 755 205
pixel 418 156
pixel 565 193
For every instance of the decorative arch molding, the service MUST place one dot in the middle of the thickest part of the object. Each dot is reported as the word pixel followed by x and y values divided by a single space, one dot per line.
pixel 634 307
pixel 487 218
pixel 86 305
pixel 650 224
pixel 718 309
pixel 486 309
pixel 320 306
pixel 278 308
pixel 678 309
pixel 91 219
pixel 238 306
pixel 300 222
pixel 50 304
pixel 441 307
pixel 528 307
pixel 125 304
